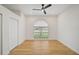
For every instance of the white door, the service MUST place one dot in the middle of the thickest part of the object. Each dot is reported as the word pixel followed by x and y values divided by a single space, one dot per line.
pixel 0 36
pixel 13 33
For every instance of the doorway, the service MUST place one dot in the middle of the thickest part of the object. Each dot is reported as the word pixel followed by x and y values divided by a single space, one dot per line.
pixel 13 33
pixel 40 30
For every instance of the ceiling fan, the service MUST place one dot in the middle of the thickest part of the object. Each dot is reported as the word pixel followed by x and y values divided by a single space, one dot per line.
pixel 43 8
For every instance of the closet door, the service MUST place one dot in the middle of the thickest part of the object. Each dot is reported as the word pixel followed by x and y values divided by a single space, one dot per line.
pixel 0 34
pixel 13 33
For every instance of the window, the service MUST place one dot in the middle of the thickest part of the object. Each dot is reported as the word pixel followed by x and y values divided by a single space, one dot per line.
pixel 40 29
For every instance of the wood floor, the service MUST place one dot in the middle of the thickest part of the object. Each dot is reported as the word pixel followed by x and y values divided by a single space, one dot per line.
pixel 42 47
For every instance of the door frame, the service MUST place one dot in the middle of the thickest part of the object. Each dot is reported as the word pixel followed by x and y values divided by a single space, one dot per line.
pixel 1 33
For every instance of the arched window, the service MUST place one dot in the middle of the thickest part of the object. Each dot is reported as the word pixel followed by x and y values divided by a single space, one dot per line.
pixel 40 29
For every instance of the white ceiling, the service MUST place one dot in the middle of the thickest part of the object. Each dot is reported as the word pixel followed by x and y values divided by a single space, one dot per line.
pixel 27 8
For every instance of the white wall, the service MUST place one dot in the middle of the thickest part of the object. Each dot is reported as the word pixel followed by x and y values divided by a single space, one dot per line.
pixel 68 27
pixel 22 28
pixel 6 14
pixel 52 24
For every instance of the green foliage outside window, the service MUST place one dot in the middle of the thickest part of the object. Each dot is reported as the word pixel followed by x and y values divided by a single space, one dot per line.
pixel 40 32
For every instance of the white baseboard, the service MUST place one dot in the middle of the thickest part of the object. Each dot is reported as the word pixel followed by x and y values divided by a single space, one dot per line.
pixel 41 39
pixel 5 53
pixel 69 47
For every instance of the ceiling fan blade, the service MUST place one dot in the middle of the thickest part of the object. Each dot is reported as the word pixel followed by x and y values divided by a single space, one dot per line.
pixel 44 12
pixel 48 6
pixel 36 9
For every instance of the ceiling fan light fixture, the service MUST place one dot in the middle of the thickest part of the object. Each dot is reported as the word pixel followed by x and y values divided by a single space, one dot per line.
pixel 42 10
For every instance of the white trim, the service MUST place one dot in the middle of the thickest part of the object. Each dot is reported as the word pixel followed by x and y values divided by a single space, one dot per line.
pixel 1 34
pixel 40 39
